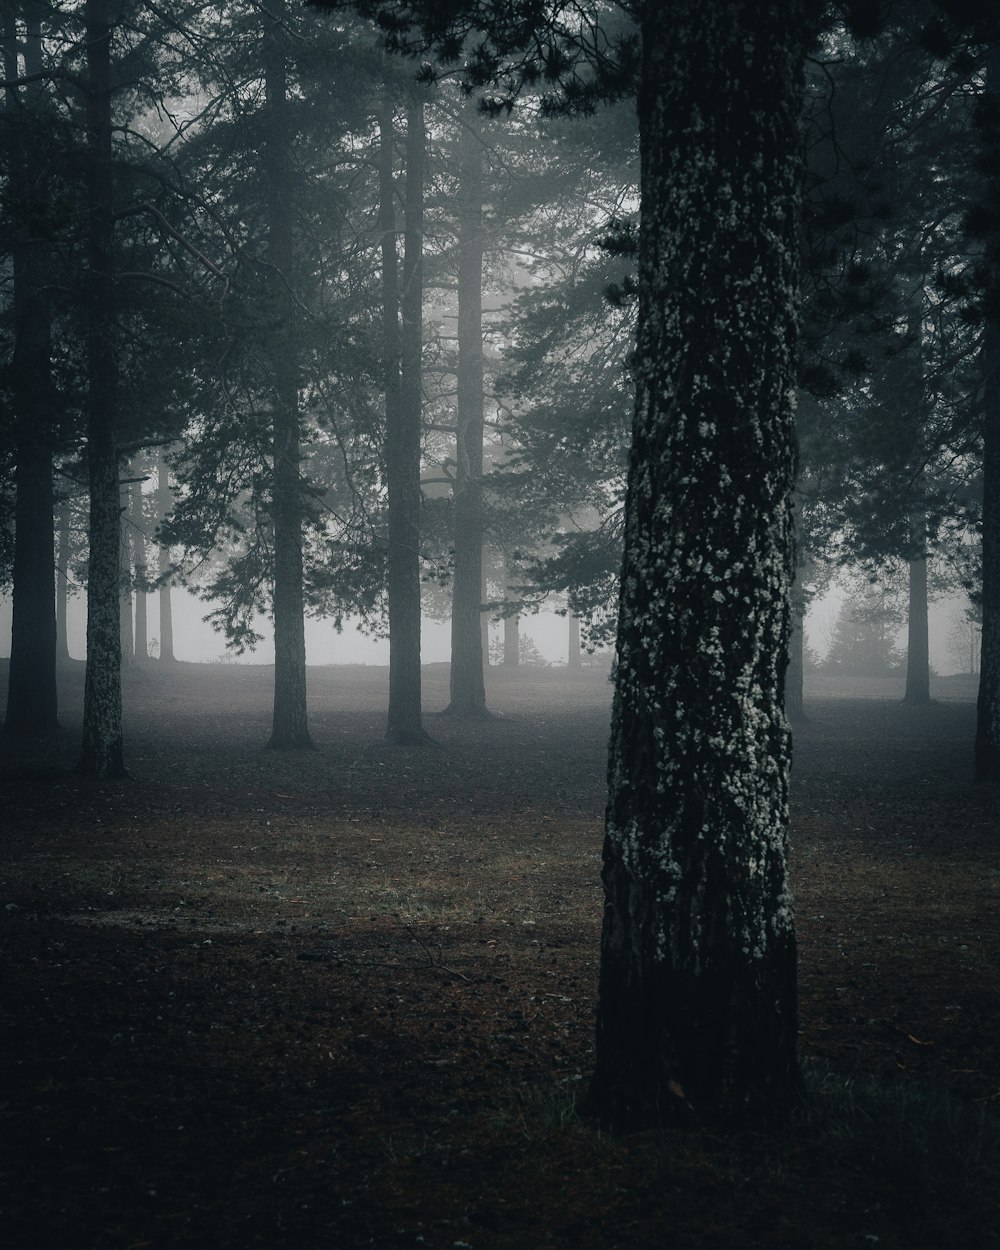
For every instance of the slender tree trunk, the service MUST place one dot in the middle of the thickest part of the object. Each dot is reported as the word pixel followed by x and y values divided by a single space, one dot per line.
pixel 290 724
pixel 138 524
pixel 126 622
pixel 795 673
pixel 987 753
pixel 468 689
pixel 918 664
pixel 62 581
pixel 5 624
pixel 163 506
pixel 697 997
pixel 484 616
pixel 511 641
pixel 31 690
pixel 987 749
pixel 102 753
pixel 574 655
pixel 403 422
pixel 511 625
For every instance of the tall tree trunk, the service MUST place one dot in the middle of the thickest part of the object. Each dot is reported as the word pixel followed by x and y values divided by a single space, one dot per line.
pixel 138 528
pixel 468 689
pixel 987 751
pixel 126 622
pixel 511 641
pixel 5 624
pixel 574 655
pixel 697 996
pixel 484 615
pixel 511 624
pixel 795 673
pixel 31 690
pixel 102 753
pixel 289 725
pixel 918 664
pixel 163 506
pixel 62 580
pixel 403 422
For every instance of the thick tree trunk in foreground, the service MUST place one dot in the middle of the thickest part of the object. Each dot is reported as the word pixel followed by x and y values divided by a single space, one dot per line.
pixel 697 1007
pixel 102 753
pixel 163 506
pixel 918 660
pixel 402 424
pixel 289 723
pixel 31 689
pixel 468 689
pixel 987 762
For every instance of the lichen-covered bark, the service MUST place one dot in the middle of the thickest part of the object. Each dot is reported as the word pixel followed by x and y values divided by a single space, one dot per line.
pixel 468 689
pixel 289 726
pixel 403 423
pixel 987 761
pixel 102 753
pixel 697 987
pixel 31 688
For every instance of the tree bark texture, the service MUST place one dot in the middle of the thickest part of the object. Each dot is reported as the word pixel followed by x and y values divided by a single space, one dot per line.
pixel 468 689
pixel 987 750
pixel 697 999
pixel 163 506
pixel 102 754
pixel 403 422
pixel 289 723
pixel 31 689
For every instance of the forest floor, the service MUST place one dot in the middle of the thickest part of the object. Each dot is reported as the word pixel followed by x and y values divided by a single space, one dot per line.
pixel 345 997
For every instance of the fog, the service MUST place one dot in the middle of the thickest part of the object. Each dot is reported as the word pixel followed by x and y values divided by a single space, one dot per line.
pixel 195 642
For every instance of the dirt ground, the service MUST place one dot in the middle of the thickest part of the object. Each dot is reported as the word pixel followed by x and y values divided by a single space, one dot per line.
pixel 344 998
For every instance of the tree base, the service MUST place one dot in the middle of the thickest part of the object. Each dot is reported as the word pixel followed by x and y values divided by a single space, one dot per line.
pixel 107 767
pixel 468 713
pixel 410 738
pixel 296 742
